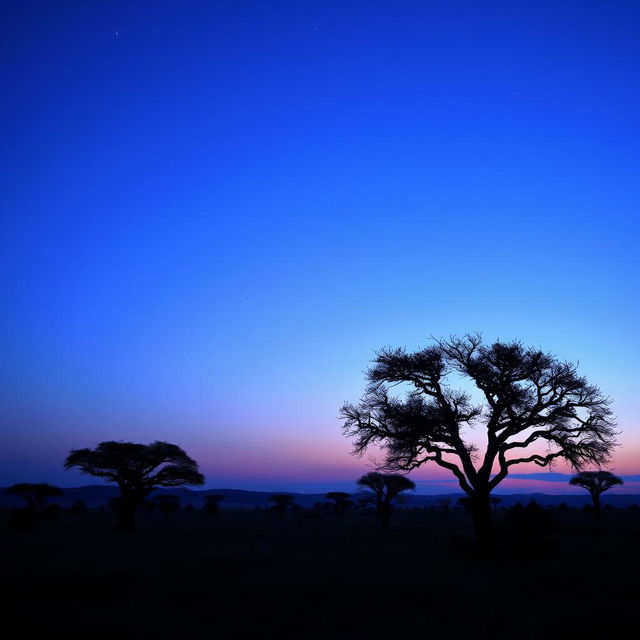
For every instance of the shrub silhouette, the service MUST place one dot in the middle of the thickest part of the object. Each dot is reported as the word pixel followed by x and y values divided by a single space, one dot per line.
pixel 322 507
pixel 529 398
pixel 212 504
pixel 530 523
pixel 385 488
pixel 78 508
pixel 168 503
pixel 137 469
pixel 341 501
pixel 280 503
pixel 596 483
pixel 367 501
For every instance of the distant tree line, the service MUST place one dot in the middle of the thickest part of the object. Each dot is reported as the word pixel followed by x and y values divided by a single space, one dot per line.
pixel 379 491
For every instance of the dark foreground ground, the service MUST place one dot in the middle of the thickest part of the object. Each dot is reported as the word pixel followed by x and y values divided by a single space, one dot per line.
pixel 252 575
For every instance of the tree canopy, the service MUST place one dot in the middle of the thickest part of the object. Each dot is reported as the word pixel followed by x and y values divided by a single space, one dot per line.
pixel 385 487
pixel 388 484
pixel 139 466
pixel 596 483
pixel 36 495
pixel 341 501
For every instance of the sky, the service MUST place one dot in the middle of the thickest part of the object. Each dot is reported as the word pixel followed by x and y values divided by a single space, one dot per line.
pixel 214 213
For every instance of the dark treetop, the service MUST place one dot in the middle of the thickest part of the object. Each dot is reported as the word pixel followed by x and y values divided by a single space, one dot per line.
pixel 139 467
pixel 595 482
pixel 36 495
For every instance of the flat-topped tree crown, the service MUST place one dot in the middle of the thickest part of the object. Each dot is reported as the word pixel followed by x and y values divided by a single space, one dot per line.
pixel 596 483
pixel 137 469
pixel 384 488
pixel 535 408
pixel 36 495
pixel 138 466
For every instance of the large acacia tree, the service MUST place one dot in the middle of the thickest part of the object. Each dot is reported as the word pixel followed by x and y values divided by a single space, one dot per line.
pixel 596 483
pixel 137 469
pixel 528 407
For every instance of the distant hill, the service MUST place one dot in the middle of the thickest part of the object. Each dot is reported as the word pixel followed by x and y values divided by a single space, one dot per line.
pixel 96 495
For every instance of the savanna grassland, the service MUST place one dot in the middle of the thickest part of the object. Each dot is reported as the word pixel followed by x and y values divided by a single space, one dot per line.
pixel 250 574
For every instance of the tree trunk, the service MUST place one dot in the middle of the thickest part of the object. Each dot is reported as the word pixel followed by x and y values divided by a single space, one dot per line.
pixel 482 519
pixel 127 514
pixel 385 512
pixel 596 505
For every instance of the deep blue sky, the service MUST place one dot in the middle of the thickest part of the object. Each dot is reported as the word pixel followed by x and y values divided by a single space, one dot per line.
pixel 214 212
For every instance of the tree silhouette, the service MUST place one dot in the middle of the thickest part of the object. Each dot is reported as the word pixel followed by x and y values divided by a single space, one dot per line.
pixel 341 501
pixel 595 482
pixel 36 496
pixel 168 503
pixel 280 502
pixel 137 469
pixel 535 409
pixel 212 504
pixel 367 500
pixel 385 487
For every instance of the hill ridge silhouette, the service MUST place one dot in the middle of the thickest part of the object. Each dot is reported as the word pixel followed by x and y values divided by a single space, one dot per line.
pixel 97 495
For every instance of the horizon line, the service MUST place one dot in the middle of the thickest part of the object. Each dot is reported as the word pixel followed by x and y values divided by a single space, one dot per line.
pixel 413 493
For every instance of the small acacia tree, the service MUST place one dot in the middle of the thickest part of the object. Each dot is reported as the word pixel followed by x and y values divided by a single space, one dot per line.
pixel 341 501
pixel 385 488
pixel 212 504
pixel 36 496
pixel 137 469
pixel 596 483
pixel 168 503
pixel 281 501
pixel 534 409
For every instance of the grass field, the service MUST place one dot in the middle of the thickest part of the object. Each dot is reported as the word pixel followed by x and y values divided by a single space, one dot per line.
pixel 250 574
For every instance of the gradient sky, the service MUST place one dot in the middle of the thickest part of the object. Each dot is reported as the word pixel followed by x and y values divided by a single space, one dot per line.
pixel 214 212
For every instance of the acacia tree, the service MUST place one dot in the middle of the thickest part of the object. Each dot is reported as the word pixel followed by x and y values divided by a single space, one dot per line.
pixel 137 469
pixel 595 482
pixel 385 488
pixel 169 503
pixel 281 501
pixel 534 409
pixel 36 495
pixel 212 504
pixel 341 501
